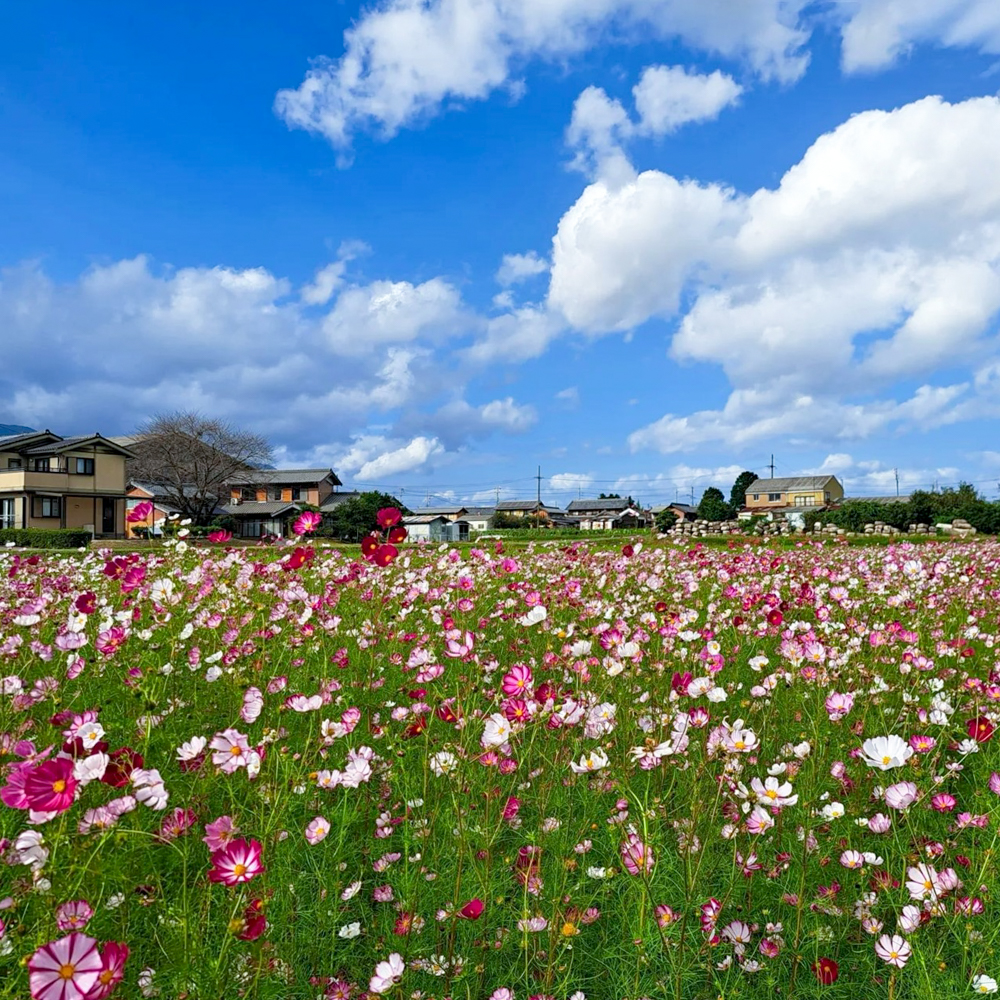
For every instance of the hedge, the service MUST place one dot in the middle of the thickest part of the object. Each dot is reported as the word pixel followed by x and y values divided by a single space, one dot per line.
pixel 45 538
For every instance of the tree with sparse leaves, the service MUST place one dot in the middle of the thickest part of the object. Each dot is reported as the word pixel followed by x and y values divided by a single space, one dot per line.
pixel 738 494
pixel 192 458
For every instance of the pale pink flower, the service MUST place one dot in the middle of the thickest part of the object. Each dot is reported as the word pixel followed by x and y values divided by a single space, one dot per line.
pixel 232 751
pixel 317 830
pixel 893 949
pixel 387 974
pixel 901 795
pixel 66 969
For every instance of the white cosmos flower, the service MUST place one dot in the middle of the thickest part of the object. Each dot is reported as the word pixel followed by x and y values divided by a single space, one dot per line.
pixel 886 752
pixel 497 731
pixel 534 616
pixel 592 761
pixel 984 984
pixel 387 974
pixel 349 931
pixel 191 749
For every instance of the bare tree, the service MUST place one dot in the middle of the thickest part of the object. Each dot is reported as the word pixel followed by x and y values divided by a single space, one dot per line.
pixel 192 458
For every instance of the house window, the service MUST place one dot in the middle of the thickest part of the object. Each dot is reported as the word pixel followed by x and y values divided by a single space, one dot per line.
pixel 83 466
pixel 296 492
pixel 756 496
pixel 15 463
pixel 7 513
pixel 48 506
pixel 276 493
pixel 248 493
pixel 805 501
pixel 39 465
pixel 774 496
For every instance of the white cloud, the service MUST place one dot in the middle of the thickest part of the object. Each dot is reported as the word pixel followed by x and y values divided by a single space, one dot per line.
pixel 872 477
pixel 328 279
pixel 507 414
pixel 666 97
pixel 570 482
pixel 367 318
pixel 517 267
pixel 569 397
pixel 412 456
pixel 876 259
pixel 881 31
pixel 404 58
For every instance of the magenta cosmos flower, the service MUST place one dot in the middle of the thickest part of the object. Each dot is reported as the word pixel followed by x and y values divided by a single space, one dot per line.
pixel 637 856
pixel 238 862
pixel 67 969
pixel 50 787
pixel 307 521
pixel 113 958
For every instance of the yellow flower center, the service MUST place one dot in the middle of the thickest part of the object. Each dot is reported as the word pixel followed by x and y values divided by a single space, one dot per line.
pixel 235 751
pixel 739 744
pixel 771 793
pixel 885 760
pixel 893 954
pixel 106 976
pixel 66 971
pixel 239 870
pixel 59 786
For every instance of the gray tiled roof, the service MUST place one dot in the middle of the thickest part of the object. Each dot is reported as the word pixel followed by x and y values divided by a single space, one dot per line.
pixel 523 505
pixel 286 477
pixel 454 509
pixel 612 503
pixel 792 483
pixel 423 518
pixel 479 512
pixel 67 444
pixel 259 508
pixel 336 499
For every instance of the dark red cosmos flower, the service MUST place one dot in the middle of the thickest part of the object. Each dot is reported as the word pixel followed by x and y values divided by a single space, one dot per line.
pixel 681 682
pixel 472 910
pixel 628 551
pixel 86 603
pixel 397 534
pixel 826 971
pixel 775 617
pixel 119 770
pixel 254 922
pixel 299 558
pixel 369 544
pixel 980 729
pixel 384 555
pixel 388 516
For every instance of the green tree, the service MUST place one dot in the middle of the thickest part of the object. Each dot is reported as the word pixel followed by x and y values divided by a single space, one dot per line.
pixel 610 496
pixel 665 520
pixel 357 517
pixel 738 494
pixel 713 506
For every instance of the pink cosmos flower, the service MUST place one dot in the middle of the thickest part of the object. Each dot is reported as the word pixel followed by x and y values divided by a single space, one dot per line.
pixel 65 969
pixel 901 795
pixel 317 830
pixel 139 512
pixel 387 517
pixel 73 916
pixel 943 802
pixel 838 705
pixel 893 949
pixel 50 787
pixel 472 910
pixel 517 680
pixel 253 704
pixel 113 958
pixel 232 751
pixel 307 521
pixel 387 974
pixel 236 863
pixel 923 744
pixel 637 857
pixel 994 783
pixel 220 537
pixel 220 834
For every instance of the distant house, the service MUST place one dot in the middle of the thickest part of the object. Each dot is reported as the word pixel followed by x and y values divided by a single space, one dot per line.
pixel 605 513
pixel 451 511
pixel 48 481
pixel 527 508
pixel 779 496
pixel 479 518
pixel 334 500
pixel 435 528
pixel 162 507
pixel 264 502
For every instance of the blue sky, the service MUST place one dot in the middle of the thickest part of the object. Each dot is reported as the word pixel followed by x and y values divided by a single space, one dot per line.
pixel 641 243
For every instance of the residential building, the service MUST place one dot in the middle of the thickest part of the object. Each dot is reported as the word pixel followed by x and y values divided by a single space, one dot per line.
pixel 779 495
pixel 48 481
pixel 435 528
pixel 527 508
pixel 605 513
pixel 451 511
pixel 163 506
pixel 479 518
pixel 265 501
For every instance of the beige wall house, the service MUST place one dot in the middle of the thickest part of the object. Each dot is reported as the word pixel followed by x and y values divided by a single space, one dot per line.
pixel 263 502
pixel 48 481
pixel 796 493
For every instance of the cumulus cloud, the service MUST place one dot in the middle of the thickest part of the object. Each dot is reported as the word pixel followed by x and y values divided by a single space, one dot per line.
pixel 414 455
pixel 872 477
pixel 879 32
pixel 875 260
pixel 666 97
pixel 134 339
pixel 403 58
pixel 570 482
pixel 517 267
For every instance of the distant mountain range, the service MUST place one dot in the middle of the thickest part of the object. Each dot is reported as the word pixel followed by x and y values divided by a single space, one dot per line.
pixel 14 429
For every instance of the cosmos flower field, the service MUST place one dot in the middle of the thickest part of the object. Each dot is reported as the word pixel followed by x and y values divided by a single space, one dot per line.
pixel 556 771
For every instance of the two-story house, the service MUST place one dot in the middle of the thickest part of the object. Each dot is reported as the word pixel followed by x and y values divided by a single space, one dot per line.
pixel 606 513
pixel 795 495
pixel 48 481
pixel 265 500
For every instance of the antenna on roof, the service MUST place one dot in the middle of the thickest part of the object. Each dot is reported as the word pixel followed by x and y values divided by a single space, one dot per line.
pixel 772 466
pixel 539 478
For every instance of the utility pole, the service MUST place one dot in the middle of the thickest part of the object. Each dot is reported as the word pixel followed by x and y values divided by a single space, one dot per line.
pixel 539 478
pixel 896 471
pixel 692 496
pixel 772 466
pixel 498 496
